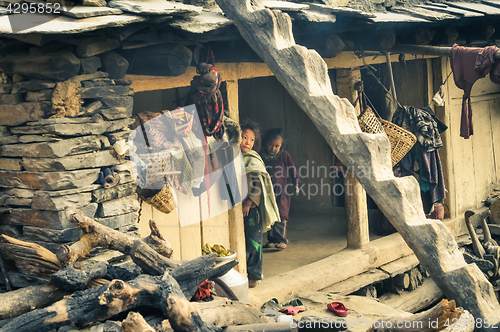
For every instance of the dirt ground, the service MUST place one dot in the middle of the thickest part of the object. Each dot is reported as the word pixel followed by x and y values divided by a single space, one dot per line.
pixel 314 232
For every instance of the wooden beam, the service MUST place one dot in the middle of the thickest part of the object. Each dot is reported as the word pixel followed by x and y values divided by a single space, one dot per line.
pixel 427 50
pixel 303 73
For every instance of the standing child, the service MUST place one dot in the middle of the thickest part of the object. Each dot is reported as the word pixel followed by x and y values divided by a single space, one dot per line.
pixel 260 211
pixel 280 166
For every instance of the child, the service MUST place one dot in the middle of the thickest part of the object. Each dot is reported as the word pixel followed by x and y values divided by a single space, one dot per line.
pixel 260 211
pixel 280 166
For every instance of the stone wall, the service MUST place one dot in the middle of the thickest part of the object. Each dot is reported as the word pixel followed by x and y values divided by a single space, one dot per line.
pixel 59 119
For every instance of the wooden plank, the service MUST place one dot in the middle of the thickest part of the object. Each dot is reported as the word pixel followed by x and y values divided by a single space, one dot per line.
pixel 399 266
pixel 305 76
pixel 476 7
pixel 495 124
pixel 190 239
pixel 425 13
pixel 357 282
pixel 285 5
pixel 421 298
pixel 168 224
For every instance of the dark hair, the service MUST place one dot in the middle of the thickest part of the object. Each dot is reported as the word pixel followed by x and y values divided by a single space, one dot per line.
pixel 271 135
pixel 253 126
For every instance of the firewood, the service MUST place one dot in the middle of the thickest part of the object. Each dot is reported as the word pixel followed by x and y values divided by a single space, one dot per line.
pixel 416 279
pixel 136 323
pixel 4 275
pixel 101 303
pixel 29 257
pixel 18 302
pixel 72 280
pixel 97 235
pixel 445 313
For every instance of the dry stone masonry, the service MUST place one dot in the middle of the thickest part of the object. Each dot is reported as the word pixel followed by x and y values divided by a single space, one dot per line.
pixel 60 114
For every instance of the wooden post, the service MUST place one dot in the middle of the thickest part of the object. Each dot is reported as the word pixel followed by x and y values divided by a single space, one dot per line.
pixel 235 215
pixel 355 196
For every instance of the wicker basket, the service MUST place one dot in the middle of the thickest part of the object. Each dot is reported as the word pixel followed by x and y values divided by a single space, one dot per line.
pixel 156 165
pixel 370 123
pixel 164 201
pixel 401 140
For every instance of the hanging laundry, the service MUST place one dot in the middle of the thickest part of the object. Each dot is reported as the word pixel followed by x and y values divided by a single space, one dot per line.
pixel 468 65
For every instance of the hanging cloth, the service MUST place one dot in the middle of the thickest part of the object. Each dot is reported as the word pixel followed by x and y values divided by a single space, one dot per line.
pixel 205 94
pixel 470 64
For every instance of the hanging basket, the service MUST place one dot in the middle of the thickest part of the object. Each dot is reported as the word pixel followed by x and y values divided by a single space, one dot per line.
pixel 156 165
pixel 164 201
pixel 370 123
pixel 401 140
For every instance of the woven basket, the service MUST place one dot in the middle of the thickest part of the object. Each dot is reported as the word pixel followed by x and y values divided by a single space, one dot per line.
pixel 164 201
pixel 401 140
pixel 156 165
pixel 370 123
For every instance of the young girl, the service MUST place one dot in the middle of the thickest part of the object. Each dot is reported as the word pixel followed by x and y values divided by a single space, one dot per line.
pixel 280 166
pixel 260 211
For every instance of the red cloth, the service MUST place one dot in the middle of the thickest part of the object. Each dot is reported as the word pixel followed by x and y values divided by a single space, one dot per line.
pixel 202 292
pixel 468 65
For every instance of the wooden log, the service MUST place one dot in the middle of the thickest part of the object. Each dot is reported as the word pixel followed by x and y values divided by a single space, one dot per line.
pixel 305 76
pixel 18 302
pixel 416 279
pixel 101 303
pixel 97 235
pixel 414 301
pixel 29 257
pixel 72 280
pixel 136 323
pixel 401 280
pixel 4 275
pixel 495 212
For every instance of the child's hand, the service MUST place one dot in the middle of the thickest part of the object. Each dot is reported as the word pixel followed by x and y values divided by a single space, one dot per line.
pixel 246 209
pixel 297 189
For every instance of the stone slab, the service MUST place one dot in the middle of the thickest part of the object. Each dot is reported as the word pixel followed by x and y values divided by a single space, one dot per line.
pixel 154 7
pixel 57 66
pixel 111 102
pixel 90 65
pixel 21 193
pixel 107 194
pixel 5 140
pixel 11 99
pixel 32 85
pixel 117 125
pixel 114 64
pixel 96 47
pixel 13 115
pixel 115 137
pixel 90 109
pixel 44 122
pixel 39 95
pixel 118 206
pixel 33 23
pixel 46 219
pixel 87 77
pixel 80 161
pixel 37 139
pixel 48 181
pixel 205 22
pixel 284 5
pixel 87 11
pixel 4 131
pixel 15 201
pixel 5 88
pixel 32 233
pixel 66 191
pixel 116 113
pixel 9 164
pixel 52 149
pixel 105 91
pixel 59 203
pixel 74 129
pixel 119 220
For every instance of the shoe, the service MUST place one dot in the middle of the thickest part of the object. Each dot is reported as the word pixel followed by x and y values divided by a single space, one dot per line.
pixel 252 283
pixel 338 308
pixel 270 245
pixel 280 246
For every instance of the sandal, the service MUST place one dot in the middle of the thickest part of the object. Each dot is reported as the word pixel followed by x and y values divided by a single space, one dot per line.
pixel 338 308
pixel 280 246
pixel 270 245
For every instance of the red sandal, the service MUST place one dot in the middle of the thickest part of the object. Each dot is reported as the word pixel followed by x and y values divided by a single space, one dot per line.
pixel 338 308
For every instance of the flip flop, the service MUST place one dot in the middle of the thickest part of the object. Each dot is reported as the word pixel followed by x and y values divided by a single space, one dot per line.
pixel 338 308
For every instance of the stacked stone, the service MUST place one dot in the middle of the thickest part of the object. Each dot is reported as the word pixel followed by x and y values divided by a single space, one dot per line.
pixel 48 163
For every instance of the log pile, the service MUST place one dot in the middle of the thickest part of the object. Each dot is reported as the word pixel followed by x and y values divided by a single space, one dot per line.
pixel 60 118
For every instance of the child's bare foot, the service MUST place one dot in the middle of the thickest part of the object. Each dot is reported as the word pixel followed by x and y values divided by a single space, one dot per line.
pixel 270 245
pixel 280 245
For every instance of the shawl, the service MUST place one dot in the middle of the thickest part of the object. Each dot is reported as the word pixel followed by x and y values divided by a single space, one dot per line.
pixel 268 207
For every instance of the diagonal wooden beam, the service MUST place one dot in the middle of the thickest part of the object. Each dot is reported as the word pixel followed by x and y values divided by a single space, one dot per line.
pixel 304 74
